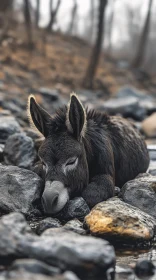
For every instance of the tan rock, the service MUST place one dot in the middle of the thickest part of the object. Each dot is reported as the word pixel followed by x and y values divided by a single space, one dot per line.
pixel 116 219
pixel 149 126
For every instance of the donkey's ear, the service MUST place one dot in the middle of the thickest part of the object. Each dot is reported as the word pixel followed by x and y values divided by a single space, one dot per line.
pixel 76 117
pixel 38 116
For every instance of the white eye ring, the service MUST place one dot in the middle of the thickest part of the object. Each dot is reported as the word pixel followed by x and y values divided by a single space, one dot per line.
pixel 45 167
pixel 70 165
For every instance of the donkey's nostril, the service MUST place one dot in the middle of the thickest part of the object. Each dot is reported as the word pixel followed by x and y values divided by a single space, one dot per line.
pixel 54 200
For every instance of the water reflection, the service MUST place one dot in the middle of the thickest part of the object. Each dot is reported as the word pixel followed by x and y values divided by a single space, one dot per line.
pixel 126 260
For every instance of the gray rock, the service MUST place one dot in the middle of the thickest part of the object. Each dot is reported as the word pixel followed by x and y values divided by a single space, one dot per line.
pixel 152 171
pixel 51 94
pixel 127 107
pixel 129 91
pixel 8 126
pixel 1 152
pixel 120 222
pixel 13 229
pixel 152 152
pixel 20 189
pixel 141 192
pixel 24 269
pixel 84 255
pixel 76 226
pixel 34 266
pixel 47 223
pixel 19 150
pixel 76 208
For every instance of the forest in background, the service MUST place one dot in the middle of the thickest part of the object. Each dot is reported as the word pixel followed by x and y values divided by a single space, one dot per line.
pixel 92 60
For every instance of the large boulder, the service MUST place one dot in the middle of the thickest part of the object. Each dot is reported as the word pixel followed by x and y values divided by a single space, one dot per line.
pixel 20 151
pixel 20 189
pixel 87 256
pixel 118 221
pixel 141 193
pixel 8 126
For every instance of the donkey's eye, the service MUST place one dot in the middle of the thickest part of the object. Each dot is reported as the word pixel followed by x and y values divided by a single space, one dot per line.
pixel 44 167
pixel 72 161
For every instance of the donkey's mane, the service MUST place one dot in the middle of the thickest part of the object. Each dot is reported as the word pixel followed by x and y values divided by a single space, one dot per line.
pixel 98 117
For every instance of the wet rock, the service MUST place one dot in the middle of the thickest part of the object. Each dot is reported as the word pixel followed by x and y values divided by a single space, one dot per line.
pixel 149 126
pixel 119 221
pixel 141 192
pixel 51 94
pixel 76 208
pixel 8 126
pixel 47 223
pixel 57 247
pixel 20 189
pixel 127 107
pixel 144 269
pixel 76 226
pixel 19 150
pixel 1 152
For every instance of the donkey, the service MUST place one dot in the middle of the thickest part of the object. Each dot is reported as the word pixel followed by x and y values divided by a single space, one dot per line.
pixel 85 153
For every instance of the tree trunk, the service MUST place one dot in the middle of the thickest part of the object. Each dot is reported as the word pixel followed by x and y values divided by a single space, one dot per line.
pixel 110 28
pixel 27 16
pixel 53 14
pixel 37 19
pixel 92 67
pixel 143 39
pixel 73 14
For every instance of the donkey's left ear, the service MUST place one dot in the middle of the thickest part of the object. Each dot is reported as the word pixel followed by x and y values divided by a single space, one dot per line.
pixel 76 117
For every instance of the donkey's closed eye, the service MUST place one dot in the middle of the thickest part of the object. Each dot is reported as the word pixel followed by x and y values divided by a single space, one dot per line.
pixel 71 161
pixel 70 164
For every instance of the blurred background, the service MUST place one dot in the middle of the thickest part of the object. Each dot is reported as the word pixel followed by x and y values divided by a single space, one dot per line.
pixel 104 50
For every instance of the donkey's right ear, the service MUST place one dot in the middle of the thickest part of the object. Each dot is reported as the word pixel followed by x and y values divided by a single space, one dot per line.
pixel 38 116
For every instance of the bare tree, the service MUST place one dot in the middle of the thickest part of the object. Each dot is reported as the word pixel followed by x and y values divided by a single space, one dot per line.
pixel 37 15
pixel 110 27
pixel 6 7
pixel 93 63
pixel 27 16
pixel 143 39
pixel 73 17
pixel 53 14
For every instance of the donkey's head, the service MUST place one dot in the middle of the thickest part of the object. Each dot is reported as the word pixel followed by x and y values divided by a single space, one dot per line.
pixel 62 152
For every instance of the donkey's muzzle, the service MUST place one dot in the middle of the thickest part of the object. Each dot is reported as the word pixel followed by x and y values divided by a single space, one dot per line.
pixel 55 197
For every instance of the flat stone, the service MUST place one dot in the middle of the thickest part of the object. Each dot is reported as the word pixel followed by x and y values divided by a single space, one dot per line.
pixel 141 193
pixel 119 221
pixel 8 126
pixel 20 189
